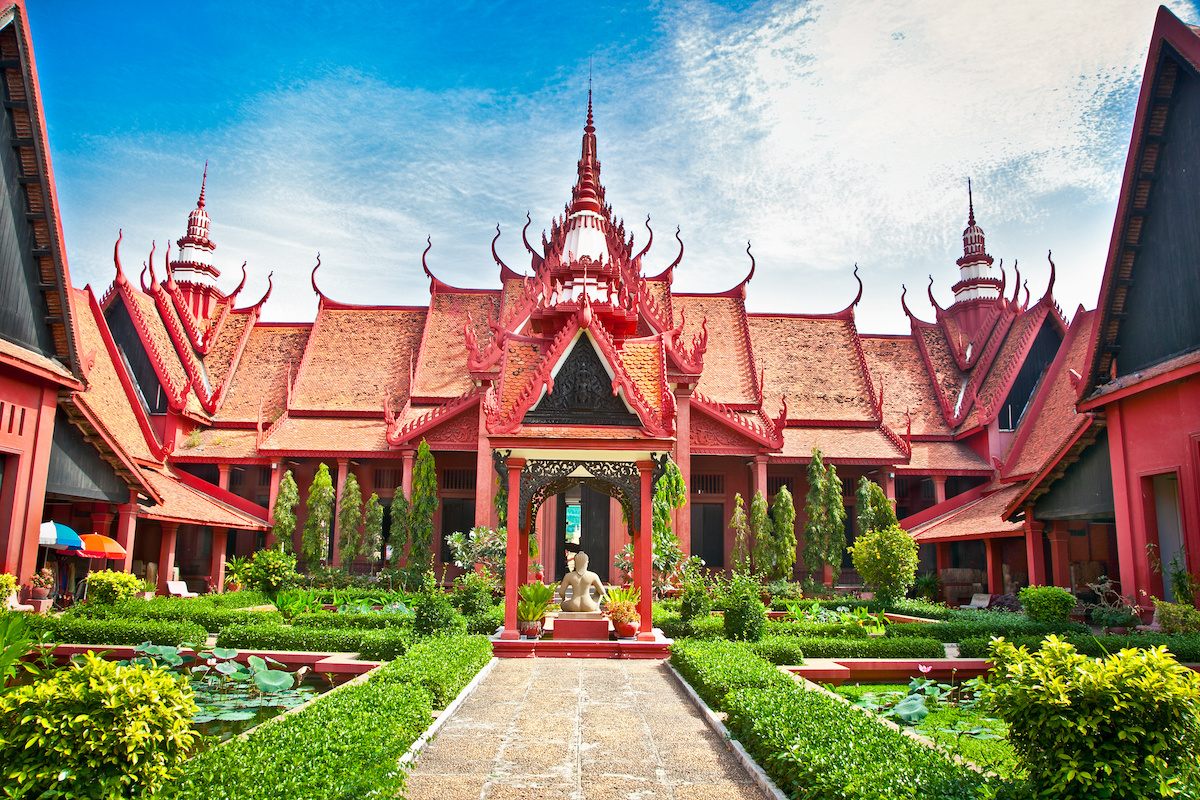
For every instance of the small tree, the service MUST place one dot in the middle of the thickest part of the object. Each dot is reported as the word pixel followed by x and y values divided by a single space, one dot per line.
pixel 285 511
pixel 783 538
pixel 373 528
pixel 760 531
pixel 825 530
pixel 350 517
pixel 740 557
pixel 886 560
pixel 422 507
pixel 874 509
pixel 315 544
pixel 670 493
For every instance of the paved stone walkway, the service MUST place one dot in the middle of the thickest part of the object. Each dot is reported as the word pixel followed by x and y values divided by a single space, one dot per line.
pixel 575 729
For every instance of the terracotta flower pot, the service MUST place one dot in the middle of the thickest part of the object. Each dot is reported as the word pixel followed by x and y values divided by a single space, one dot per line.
pixel 39 592
pixel 530 628
pixel 626 630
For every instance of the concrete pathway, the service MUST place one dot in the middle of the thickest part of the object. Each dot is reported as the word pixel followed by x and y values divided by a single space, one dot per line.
pixel 576 729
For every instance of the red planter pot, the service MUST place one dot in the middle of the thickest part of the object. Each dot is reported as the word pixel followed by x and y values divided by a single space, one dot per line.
pixel 532 629
pixel 626 630
pixel 39 592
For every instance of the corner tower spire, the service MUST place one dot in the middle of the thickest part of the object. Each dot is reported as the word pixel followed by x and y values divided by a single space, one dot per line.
pixel 585 223
pixel 976 281
pixel 195 248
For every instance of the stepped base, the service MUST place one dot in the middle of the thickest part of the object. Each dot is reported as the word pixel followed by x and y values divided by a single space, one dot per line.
pixel 657 648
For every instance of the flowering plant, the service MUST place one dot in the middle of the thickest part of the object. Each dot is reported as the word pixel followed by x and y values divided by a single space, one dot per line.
pixel 42 579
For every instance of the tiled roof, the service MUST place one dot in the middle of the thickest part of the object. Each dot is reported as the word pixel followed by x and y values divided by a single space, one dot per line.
pixel 520 360
pixel 843 445
pixel 105 396
pixel 644 363
pixel 146 318
pixel 575 432
pixel 945 456
pixel 980 518
pixel 1056 420
pixel 729 372
pixel 354 355
pixel 513 295
pixel 220 355
pixel 907 387
pixel 262 372
pixel 815 362
pixel 220 443
pixel 947 377
pixel 332 435
pixel 15 351
pixel 442 367
pixel 181 503
pixel 1007 363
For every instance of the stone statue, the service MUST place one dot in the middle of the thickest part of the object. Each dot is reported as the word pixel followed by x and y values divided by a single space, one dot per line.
pixel 581 580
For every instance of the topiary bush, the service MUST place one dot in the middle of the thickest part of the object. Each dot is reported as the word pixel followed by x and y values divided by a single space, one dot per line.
pixel 780 649
pixel 487 622
pixel 443 665
pixel 434 614
pixel 716 668
pixel 374 620
pixel 95 730
pixel 1047 603
pixel 272 570
pixel 385 644
pixel 745 614
pixel 287 637
pixel 840 630
pixel 1176 617
pixel 472 594
pixel 1185 647
pixel 108 586
pixel 1125 726
pixel 695 603
pixel 886 559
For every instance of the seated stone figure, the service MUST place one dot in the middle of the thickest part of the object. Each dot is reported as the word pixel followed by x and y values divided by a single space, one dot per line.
pixel 581 580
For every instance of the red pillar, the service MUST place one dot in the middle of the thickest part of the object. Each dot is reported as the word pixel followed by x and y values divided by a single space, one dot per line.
pixel 1131 546
pixel 943 556
pixel 35 499
pixel 102 518
pixel 126 521
pixel 760 476
pixel 216 570
pixel 343 469
pixel 512 548
pixel 223 476
pixel 939 489
pixel 642 555
pixel 276 477
pixel 406 476
pixel 1060 553
pixel 888 478
pixel 485 477
pixel 995 575
pixel 166 555
pixel 1035 555
pixel 683 459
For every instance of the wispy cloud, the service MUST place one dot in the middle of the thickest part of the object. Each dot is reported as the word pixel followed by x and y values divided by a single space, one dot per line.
pixel 825 133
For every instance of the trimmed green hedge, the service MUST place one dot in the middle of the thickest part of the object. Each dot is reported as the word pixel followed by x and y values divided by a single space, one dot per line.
pixel 64 630
pixel 716 668
pixel 286 637
pixel 1186 649
pixel 330 619
pixel 486 624
pixel 997 624
pixel 443 665
pixel 841 630
pixel 675 627
pixel 175 609
pixel 793 649
pixel 385 644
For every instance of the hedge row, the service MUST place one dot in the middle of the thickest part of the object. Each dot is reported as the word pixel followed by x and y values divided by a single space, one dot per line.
pixel 65 630
pixel 486 623
pixel 330 619
pixel 811 745
pixel 343 746
pixel 1185 648
pixel 382 645
pixel 175 609
pixel 998 624
pixel 841 630
pixel 793 649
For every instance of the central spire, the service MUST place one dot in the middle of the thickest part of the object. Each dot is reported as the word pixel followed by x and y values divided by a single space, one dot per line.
pixel 586 194
pixel 195 248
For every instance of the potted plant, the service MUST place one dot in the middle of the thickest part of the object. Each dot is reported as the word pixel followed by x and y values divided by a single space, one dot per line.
pixel 41 583
pixel 1116 620
pixel 149 589
pixel 622 610
pixel 534 601
pixel 237 570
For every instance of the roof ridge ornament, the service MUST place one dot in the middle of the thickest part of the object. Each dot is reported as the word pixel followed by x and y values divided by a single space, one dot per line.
pixel 1048 296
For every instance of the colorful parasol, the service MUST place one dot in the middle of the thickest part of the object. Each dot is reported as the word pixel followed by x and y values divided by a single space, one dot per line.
pixel 58 536
pixel 97 545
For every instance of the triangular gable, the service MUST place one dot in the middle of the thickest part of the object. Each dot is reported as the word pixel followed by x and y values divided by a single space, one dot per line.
pixel 579 391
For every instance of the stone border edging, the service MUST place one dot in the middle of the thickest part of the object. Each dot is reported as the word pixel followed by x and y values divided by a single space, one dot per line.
pixel 761 779
pixel 414 750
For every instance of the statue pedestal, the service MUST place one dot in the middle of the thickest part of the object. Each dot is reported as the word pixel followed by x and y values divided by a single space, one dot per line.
pixel 580 625
pixel 580 615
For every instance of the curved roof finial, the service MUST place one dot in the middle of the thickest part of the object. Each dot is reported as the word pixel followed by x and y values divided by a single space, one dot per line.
pixel 314 276
pixel 117 254
pixel 679 257
pixel 1050 285
pixel 528 222
pixel 1026 296
pixel 929 291
pixel 1017 282
pixel 649 241
pixel 153 277
pixel 428 247
pixel 1003 280
pixel 903 303
pixel 752 265
pixel 238 290
pixel 495 256
pixel 860 286
pixel 270 286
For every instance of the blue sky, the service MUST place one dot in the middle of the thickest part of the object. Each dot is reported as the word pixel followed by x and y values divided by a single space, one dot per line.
pixel 825 133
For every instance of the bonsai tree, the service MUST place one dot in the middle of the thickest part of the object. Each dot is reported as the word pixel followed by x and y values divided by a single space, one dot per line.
pixel 886 559
pixel 350 517
pixel 284 511
pixel 740 557
pixel 315 544
pixel 825 530
pixel 421 509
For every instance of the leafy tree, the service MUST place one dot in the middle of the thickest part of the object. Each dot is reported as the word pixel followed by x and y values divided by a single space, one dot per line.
pixel 373 528
pixel 874 509
pixel 886 560
pixel 760 530
pixel 315 543
pixel 670 493
pixel 825 530
pixel 740 557
pixel 285 511
pixel 350 517
pixel 421 509
pixel 783 535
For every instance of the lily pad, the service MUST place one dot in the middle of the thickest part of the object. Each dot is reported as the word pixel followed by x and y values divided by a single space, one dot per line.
pixel 911 709
pixel 224 653
pixel 272 680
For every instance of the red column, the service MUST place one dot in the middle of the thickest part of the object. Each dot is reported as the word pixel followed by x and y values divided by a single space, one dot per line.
pixel 343 469
pixel 406 477
pixel 888 477
pixel 1035 554
pixel 276 477
pixel 511 556
pixel 683 459
pixel 166 555
pixel 995 575
pixel 216 570
pixel 485 477
pixel 126 521
pixel 943 556
pixel 760 476
pixel 642 555
pixel 223 476
pixel 1131 547
pixel 102 518
pixel 939 489
pixel 1060 553
pixel 35 499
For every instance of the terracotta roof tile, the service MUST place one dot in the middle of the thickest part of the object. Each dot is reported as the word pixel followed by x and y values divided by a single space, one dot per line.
pixel 354 354
pixel 1004 367
pixel 262 372
pixel 729 374
pixel 945 456
pixel 105 397
pixel 220 443
pixel 147 318
pixel 34 359
pixel 220 355
pixel 644 363
pixel 982 517
pixel 844 445
pixel 814 361
pixel 182 503
pixel 907 387
pixel 331 435
pixel 1056 421
pixel 947 377
pixel 513 295
pixel 442 368
pixel 520 360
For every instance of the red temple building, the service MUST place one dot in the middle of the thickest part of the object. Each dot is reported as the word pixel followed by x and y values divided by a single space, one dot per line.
pixel 174 411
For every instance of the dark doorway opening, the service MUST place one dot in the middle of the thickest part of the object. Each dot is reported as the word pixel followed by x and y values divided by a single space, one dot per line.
pixel 593 535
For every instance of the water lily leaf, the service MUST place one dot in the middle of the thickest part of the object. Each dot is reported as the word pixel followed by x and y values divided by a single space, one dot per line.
pixel 224 653
pixel 235 716
pixel 911 709
pixel 272 680
pixel 227 668
pixel 256 663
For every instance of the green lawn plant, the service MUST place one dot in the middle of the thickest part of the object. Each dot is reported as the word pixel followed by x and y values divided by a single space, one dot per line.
pixel 272 571
pixel 108 586
pixel 1125 726
pixel 535 599
pixel 739 559
pixel 1047 603
pixel 1177 617
pixel 886 560
pixel 745 615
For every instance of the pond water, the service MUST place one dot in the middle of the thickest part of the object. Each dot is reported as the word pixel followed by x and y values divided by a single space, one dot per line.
pixel 230 709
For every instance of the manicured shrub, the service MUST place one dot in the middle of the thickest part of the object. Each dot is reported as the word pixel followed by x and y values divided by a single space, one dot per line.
pixel 472 594
pixel 1125 726
pixel 107 586
pixel 1047 603
pixel 272 570
pixel 886 558
pixel 95 730
pixel 287 637
pixel 434 614
pixel 695 603
pixel 1184 647
pixel 330 619
pixel 487 622
pixel 716 668
pixel 1176 617
pixel 778 649
pixel 671 624
pixel 985 624
pixel 174 609
pixel 442 665
pixel 745 614
pixel 841 630
pixel 384 644
pixel 117 631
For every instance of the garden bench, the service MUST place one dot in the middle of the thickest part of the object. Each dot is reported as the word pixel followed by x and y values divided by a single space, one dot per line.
pixel 980 601
pixel 179 589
